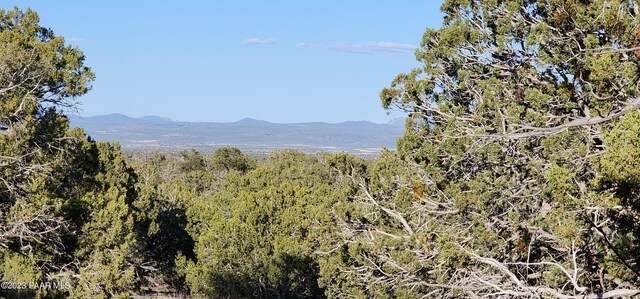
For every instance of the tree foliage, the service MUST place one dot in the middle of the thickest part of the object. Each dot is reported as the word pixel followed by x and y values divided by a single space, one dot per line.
pixel 505 182
pixel 170 185
pixel 229 159
pixel 517 176
pixel 255 236
pixel 65 201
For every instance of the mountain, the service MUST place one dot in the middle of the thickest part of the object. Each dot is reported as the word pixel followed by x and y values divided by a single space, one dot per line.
pixel 116 118
pixel 155 118
pixel 251 122
pixel 361 138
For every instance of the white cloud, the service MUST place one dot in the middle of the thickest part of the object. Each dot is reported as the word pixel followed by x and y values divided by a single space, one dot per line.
pixel 363 48
pixel 258 41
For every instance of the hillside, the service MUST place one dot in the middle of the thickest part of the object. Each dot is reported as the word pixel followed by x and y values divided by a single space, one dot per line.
pixel 256 136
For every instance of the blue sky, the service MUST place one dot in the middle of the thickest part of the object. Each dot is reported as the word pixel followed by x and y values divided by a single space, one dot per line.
pixel 281 61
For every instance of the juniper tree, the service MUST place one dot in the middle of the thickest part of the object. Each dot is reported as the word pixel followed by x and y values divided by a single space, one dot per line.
pixel 66 202
pixel 516 175
pixel 256 235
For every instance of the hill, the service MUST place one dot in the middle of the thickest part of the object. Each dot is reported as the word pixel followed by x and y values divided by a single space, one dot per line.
pixel 362 138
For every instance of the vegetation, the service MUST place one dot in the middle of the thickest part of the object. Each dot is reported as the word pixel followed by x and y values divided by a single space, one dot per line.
pixel 517 176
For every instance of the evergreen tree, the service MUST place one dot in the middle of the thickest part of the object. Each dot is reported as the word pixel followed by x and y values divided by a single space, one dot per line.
pixel 256 236
pixel 66 202
pixel 515 174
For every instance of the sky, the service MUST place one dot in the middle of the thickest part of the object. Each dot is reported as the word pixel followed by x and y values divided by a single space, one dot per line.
pixel 221 61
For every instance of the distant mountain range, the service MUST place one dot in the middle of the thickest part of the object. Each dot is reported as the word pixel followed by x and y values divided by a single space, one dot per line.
pixel 361 138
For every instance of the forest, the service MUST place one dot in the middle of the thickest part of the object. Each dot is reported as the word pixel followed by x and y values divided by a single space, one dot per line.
pixel 518 175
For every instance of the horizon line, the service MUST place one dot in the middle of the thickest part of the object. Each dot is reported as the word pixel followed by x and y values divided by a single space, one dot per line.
pixel 168 119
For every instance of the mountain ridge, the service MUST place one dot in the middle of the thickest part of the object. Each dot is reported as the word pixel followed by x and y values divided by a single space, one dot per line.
pixel 112 116
pixel 147 133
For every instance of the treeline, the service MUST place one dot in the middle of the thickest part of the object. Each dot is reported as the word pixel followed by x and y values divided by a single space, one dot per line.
pixel 518 176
